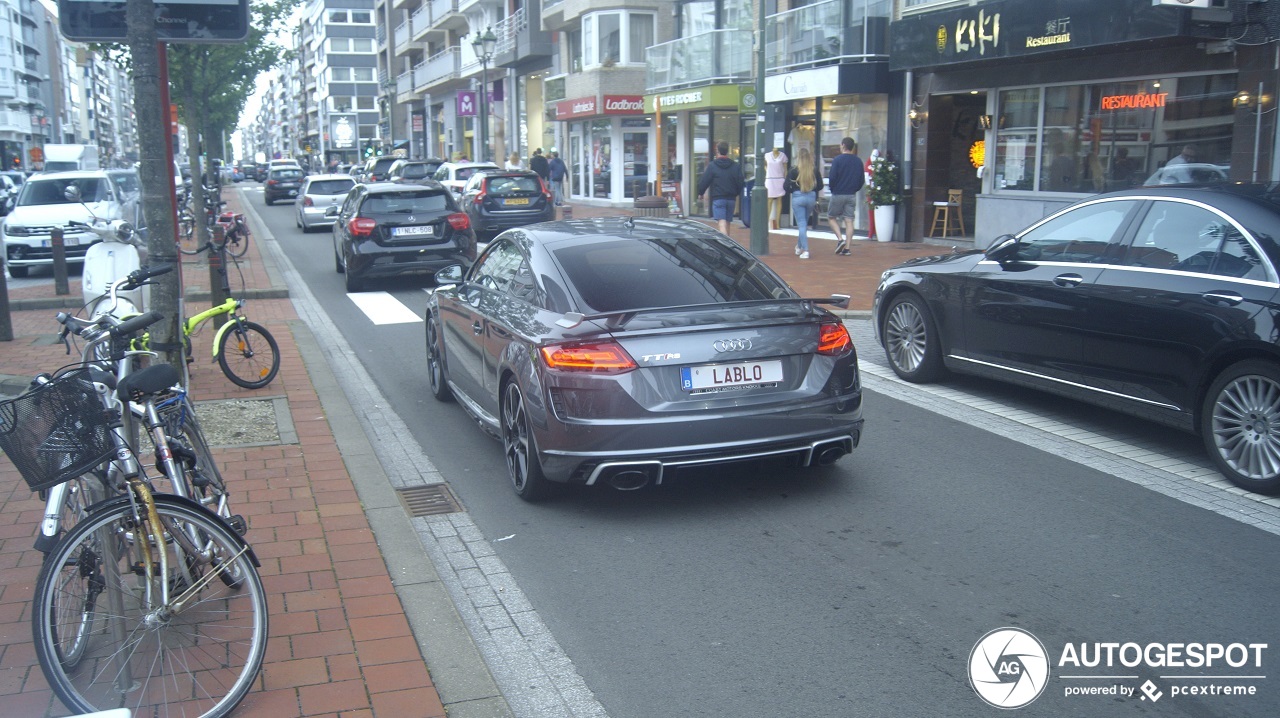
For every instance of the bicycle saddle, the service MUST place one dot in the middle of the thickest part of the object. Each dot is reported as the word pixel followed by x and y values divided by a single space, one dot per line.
pixel 151 380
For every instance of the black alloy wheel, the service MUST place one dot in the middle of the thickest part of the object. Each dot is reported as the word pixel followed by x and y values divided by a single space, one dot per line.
pixel 517 445
pixel 436 376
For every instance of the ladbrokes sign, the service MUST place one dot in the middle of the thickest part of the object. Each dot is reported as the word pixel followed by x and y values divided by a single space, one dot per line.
pixel 590 107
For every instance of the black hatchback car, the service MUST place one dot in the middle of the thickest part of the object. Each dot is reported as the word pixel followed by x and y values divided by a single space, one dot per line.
pixel 498 200
pixel 282 183
pixel 386 229
pixel 1159 302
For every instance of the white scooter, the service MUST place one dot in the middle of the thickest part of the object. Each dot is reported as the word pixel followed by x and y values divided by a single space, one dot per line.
pixel 113 258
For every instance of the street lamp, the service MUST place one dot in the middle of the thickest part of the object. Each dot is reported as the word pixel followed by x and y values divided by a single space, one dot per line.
pixel 389 86
pixel 484 46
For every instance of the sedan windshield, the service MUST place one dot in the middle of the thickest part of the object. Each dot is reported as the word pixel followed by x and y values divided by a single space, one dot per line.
pixel 53 191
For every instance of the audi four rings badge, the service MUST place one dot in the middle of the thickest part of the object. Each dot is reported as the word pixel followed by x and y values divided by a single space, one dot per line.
pixel 731 345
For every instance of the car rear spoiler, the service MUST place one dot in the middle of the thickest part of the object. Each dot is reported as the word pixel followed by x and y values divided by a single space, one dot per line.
pixel 621 317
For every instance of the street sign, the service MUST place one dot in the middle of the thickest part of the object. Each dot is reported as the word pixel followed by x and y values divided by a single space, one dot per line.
pixel 177 21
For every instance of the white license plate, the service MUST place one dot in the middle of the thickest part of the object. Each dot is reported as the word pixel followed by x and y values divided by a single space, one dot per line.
pixel 425 231
pixel 66 242
pixel 721 376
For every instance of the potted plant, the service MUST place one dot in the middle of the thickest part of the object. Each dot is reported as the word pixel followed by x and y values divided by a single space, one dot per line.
pixel 883 196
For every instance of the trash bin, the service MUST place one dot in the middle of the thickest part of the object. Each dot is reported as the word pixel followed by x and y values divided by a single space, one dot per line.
pixel 652 207
pixel 746 202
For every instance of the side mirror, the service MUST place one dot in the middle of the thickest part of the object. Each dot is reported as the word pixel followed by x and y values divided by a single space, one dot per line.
pixel 1003 249
pixel 451 274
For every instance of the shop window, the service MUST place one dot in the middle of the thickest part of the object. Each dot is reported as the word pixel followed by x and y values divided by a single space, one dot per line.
pixel 610 38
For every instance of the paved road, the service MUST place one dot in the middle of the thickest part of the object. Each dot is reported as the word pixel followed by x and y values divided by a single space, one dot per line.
pixel 859 589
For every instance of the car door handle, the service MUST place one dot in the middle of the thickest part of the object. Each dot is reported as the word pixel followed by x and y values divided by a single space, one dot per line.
pixel 476 328
pixel 1068 280
pixel 1229 299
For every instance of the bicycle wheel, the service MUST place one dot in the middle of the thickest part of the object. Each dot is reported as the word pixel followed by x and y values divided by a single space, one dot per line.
pixel 73 614
pixel 238 243
pixel 248 355
pixel 198 655
pixel 188 238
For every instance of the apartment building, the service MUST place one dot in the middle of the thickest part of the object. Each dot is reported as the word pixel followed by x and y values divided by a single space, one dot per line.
pixel 21 80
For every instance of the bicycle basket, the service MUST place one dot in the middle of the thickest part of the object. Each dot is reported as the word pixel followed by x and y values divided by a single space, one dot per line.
pixel 56 431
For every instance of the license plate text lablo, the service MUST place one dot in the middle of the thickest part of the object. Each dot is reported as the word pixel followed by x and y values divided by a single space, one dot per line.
pixel 736 374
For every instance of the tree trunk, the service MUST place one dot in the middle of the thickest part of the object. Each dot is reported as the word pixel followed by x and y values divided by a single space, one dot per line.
pixel 153 175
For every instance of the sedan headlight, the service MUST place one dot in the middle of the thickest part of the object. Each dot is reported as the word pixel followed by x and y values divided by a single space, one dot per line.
pixel 16 230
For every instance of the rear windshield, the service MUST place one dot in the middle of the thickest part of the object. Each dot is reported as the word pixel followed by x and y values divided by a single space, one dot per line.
pixel 501 186
pixel 416 171
pixel 286 174
pixel 50 191
pixel 464 173
pixel 649 272
pixel 405 203
pixel 382 165
pixel 337 186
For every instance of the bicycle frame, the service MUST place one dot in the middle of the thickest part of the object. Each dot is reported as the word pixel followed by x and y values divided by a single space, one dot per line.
pixel 230 307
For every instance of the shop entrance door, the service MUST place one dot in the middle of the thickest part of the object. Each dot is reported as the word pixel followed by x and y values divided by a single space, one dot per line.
pixel 954 131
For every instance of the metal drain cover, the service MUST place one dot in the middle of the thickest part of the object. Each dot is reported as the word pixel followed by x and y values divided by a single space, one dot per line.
pixel 430 500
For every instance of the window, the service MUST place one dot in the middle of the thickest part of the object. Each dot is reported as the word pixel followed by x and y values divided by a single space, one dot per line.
pixel 573 40
pixel 337 16
pixel 1187 238
pixel 365 103
pixel 339 103
pixel 340 74
pixel 362 44
pixel 498 266
pixel 609 38
pixel 339 44
pixel 1079 235
pixel 362 74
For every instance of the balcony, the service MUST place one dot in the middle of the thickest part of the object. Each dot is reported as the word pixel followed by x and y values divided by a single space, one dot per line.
pixel 520 41
pixel 445 16
pixel 437 69
pixel 420 22
pixel 827 33
pixel 404 87
pixel 15 121
pixel 719 56
pixel 401 34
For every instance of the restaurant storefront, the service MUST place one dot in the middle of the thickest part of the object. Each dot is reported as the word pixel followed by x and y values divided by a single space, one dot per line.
pixel 1027 107
pixel 692 122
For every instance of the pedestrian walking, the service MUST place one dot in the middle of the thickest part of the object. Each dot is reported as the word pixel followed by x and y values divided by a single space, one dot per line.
pixel 722 182
pixel 803 182
pixel 556 172
pixel 539 164
pixel 848 174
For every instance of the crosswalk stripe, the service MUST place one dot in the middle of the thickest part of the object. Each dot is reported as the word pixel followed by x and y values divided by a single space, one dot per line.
pixel 382 308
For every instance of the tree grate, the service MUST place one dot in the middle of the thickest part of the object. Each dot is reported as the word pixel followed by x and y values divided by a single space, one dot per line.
pixel 430 500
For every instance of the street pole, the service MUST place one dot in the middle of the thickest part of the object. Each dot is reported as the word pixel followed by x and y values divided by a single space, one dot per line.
pixel 484 45
pixel 760 195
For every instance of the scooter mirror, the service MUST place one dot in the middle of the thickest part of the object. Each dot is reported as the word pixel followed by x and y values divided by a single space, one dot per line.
pixel 123 230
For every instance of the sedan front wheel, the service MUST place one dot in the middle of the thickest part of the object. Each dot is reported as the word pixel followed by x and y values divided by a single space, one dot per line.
pixel 911 340
pixel 1240 424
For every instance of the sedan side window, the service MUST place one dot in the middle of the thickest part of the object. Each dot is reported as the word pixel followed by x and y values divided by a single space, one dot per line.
pixel 1085 234
pixel 500 264
pixel 1187 238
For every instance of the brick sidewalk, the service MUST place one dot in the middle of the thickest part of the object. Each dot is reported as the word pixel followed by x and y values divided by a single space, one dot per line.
pixel 339 640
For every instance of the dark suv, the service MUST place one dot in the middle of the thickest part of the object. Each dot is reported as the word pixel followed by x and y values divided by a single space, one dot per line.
pixel 413 171
pixel 375 170
pixel 389 229
pixel 498 200
pixel 282 183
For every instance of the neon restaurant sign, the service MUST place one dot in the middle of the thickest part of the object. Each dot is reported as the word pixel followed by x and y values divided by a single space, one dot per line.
pixel 1141 101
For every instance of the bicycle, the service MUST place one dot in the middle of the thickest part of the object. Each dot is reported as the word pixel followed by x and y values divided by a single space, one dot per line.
pixel 234 225
pixel 126 612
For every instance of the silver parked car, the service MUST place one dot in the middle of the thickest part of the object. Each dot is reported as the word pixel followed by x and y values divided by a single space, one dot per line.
pixel 319 193
pixel 618 351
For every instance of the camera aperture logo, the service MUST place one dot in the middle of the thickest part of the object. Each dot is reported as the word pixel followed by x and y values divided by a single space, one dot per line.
pixel 1009 668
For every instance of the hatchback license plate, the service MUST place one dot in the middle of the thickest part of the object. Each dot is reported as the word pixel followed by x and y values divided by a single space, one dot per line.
pixel 425 231
pixel 515 201
pixel 717 376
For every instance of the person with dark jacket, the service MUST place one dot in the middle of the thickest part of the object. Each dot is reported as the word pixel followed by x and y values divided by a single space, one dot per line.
pixel 722 182
pixel 538 164
pixel 557 171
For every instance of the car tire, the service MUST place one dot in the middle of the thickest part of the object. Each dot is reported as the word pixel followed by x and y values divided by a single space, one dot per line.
pixel 437 375
pixel 297 222
pixel 1240 425
pixel 354 283
pixel 518 448
pixel 18 272
pixel 268 201
pixel 911 342
pixel 337 263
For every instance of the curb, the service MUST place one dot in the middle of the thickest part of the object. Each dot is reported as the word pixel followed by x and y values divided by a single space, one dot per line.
pixel 73 303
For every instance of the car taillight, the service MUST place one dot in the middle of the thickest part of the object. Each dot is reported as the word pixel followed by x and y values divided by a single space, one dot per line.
pixel 458 220
pixel 833 339
pixel 361 226
pixel 600 357
pixel 546 191
pixel 271 182
pixel 306 202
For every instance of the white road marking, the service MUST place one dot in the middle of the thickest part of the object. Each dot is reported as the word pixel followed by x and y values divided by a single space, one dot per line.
pixel 382 308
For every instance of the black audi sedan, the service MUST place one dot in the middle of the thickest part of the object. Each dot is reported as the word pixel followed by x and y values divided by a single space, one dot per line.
pixel 1159 302
pixel 617 351
pixel 498 200
pixel 386 229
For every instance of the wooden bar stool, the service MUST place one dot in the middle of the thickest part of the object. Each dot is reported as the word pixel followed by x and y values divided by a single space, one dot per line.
pixel 948 215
